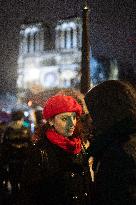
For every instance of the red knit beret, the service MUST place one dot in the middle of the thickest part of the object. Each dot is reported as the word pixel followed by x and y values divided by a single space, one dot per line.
pixel 59 104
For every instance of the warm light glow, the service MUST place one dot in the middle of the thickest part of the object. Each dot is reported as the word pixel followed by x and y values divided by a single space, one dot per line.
pixel 29 103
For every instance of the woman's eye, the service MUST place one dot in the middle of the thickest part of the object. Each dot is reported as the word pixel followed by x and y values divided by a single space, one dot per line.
pixel 64 119
pixel 74 116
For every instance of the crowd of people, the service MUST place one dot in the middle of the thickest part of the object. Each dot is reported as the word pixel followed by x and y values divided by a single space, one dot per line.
pixel 83 152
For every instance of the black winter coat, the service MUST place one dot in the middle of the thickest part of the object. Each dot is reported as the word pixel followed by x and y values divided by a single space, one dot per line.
pixel 54 177
pixel 115 167
pixel 13 155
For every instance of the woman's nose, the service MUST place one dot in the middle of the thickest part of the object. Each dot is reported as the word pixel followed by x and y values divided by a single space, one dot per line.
pixel 71 122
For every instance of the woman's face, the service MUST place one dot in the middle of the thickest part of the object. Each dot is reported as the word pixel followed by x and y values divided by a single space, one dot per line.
pixel 64 123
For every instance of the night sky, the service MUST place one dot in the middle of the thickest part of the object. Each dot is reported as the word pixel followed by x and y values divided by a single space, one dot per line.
pixel 112 28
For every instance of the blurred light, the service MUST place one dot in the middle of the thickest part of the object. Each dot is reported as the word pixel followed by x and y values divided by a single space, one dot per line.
pixel 26 114
pixel 32 127
pixel 26 124
pixel 29 103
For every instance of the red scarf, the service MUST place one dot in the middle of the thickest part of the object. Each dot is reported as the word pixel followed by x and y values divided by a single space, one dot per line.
pixel 72 146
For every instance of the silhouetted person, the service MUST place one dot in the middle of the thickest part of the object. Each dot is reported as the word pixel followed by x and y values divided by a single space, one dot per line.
pixel 112 106
pixel 16 142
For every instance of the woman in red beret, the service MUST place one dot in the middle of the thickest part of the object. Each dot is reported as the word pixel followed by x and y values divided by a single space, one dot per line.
pixel 57 171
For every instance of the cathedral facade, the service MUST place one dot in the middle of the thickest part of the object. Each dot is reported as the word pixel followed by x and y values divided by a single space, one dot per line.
pixel 50 55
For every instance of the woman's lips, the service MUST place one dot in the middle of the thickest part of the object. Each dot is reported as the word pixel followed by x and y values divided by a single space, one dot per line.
pixel 71 130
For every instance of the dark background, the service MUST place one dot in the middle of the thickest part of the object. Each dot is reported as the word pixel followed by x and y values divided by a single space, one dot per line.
pixel 112 29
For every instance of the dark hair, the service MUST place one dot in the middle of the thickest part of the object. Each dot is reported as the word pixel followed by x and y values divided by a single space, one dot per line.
pixel 112 105
pixel 17 115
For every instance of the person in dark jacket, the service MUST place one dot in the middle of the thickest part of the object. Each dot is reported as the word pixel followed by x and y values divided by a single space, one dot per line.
pixel 13 154
pixel 112 106
pixel 57 171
